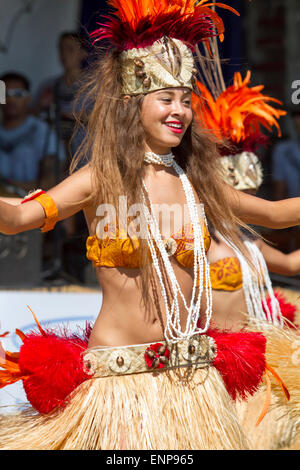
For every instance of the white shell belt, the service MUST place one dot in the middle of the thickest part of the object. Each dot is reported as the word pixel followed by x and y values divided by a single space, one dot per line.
pixel 198 351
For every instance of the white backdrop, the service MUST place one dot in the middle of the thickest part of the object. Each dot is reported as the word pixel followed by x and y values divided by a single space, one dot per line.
pixel 51 309
pixel 33 46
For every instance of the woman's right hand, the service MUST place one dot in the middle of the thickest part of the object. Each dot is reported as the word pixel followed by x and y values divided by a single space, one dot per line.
pixel 69 196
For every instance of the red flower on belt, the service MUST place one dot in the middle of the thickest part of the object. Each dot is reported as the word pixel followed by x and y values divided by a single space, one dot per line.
pixel 157 356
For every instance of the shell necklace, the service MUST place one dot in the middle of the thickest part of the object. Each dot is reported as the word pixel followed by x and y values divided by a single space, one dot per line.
pixel 254 284
pixel 173 329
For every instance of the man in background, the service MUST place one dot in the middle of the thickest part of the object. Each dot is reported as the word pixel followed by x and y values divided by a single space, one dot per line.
pixel 55 102
pixel 56 96
pixel 27 144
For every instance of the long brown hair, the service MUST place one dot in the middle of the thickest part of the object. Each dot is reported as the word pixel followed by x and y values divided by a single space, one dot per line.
pixel 114 144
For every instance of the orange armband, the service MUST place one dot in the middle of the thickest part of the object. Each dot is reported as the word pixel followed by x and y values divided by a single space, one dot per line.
pixel 48 205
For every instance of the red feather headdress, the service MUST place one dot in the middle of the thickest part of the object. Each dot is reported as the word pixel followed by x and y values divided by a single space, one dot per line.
pixel 139 23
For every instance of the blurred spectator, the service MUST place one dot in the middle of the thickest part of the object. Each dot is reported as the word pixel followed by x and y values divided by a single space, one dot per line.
pixel 55 102
pixel 286 164
pixel 27 144
pixel 55 98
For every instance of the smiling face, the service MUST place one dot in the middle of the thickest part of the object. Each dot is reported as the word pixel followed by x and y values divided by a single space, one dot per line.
pixel 166 115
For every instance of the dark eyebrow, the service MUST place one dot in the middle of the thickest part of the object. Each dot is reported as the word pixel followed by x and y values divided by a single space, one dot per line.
pixel 171 92
pixel 165 91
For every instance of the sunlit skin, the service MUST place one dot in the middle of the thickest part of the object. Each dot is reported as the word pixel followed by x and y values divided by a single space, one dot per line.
pixel 123 318
pixel 229 308
pixel 166 115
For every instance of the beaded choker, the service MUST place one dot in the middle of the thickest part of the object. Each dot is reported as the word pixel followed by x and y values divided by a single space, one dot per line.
pixel 165 160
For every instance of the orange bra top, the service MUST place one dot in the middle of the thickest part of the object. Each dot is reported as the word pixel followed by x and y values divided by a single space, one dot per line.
pixel 125 252
pixel 226 274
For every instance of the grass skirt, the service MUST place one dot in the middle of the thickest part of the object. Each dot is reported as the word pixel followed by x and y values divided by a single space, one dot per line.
pixel 173 409
pixel 276 431
pixel 280 428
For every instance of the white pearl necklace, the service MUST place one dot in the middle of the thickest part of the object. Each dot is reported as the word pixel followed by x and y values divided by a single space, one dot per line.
pixel 259 280
pixel 254 283
pixel 173 330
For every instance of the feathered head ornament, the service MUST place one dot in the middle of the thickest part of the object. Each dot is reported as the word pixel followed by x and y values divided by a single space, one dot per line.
pixel 239 115
pixel 156 40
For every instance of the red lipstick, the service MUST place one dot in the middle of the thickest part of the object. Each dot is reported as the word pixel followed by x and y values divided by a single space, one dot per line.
pixel 175 126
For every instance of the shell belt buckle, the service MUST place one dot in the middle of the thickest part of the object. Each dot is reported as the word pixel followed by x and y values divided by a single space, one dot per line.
pixel 198 351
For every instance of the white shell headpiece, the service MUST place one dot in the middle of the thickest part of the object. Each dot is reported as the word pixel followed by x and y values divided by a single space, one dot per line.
pixel 168 63
pixel 243 170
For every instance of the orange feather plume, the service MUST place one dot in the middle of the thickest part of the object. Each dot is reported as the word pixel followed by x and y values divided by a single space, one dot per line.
pixel 11 372
pixel 239 112
pixel 137 23
pixel 133 11
pixel 9 361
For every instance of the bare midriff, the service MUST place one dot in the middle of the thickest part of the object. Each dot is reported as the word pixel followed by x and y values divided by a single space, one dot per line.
pixel 123 318
pixel 229 307
pixel 229 310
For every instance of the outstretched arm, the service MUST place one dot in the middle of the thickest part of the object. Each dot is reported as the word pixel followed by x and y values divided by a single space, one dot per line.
pixel 14 201
pixel 68 196
pixel 257 211
pixel 278 262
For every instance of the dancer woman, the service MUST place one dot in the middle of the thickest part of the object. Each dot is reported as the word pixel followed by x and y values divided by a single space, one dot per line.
pixel 151 378
pixel 237 115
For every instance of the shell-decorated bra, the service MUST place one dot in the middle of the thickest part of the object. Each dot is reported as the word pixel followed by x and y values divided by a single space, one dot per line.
pixel 125 252
pixel 226 274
